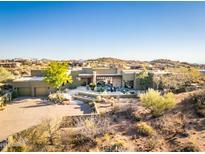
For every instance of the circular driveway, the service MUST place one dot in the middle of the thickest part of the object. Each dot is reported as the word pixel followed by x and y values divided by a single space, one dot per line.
pixel 23 113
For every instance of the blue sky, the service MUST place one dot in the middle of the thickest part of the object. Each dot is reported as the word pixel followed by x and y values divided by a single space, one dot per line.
pixel 83 30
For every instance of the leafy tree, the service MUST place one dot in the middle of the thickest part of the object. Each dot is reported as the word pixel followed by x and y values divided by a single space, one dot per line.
pixel 56 74
pixel 144 79
pixel 5 75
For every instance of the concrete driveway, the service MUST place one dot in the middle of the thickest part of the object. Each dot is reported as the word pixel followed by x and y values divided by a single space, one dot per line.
pixel 23 113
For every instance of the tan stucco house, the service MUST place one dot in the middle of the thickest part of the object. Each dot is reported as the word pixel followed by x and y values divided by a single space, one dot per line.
pixel 116 77
pixel 31 86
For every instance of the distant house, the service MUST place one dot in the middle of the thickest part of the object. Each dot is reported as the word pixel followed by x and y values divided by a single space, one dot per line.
pixel 10 65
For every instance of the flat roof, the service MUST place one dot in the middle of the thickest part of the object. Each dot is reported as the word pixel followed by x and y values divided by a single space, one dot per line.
pixel 90 75
pixel 150 71
pixel 29 78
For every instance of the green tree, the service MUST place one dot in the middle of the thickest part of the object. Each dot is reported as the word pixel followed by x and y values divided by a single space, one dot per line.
pixel 5 75
pixel 145 79
pixel 56 74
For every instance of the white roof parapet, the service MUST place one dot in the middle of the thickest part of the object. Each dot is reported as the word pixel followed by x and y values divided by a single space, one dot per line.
pixel 90 75
pixel 150 71
pixel 33 78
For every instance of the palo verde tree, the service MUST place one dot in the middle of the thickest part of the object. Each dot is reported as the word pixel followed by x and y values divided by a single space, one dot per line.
pixel 56 74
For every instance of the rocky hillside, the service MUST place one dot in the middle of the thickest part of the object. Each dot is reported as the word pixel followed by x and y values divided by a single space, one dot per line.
pixel 159 63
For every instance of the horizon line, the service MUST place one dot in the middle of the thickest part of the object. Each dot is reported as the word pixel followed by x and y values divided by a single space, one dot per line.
pixel 85 59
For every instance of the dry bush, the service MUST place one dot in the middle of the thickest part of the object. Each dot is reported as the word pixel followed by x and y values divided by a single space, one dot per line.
pixel 185 146
pixel 198 100
pixel 170 125
pixel 38 137
pixel 145 129
pixel 50 138
pixel 148 144
pixel 16 145
pixel 117 146
pixel 80 142
pixel 57 97
pixel 140 113
pixel 94 126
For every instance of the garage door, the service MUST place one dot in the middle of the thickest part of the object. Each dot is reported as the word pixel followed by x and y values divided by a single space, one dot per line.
pixel 41 91
pixel 24 91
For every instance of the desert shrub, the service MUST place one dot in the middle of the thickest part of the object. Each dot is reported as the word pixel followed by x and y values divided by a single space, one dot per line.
pixel 16 145
pixel 92 86
pixel 80 142
pixel 129 112
pixel 2 104
pixel 198 101
pixel 74 84
pixel 36 138
pixel 186 147
pixel 94 126
pixel 157 103
pixel 198 98
pixel 57 97
pixel 107 137
pixel 170 125
pixel 118 146
pixel 145 129
pixel 152 143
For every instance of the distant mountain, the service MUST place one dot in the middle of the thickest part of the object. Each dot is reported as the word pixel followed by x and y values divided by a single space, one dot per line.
pixel 158 63
pixel 172 63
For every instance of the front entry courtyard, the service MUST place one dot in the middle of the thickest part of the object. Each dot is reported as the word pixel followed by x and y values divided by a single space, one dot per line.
pixel 26 112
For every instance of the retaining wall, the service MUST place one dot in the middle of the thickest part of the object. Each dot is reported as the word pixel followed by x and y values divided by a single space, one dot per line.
pixel 108 95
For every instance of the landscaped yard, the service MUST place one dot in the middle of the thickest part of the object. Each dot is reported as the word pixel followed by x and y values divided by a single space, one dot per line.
pixel 23 113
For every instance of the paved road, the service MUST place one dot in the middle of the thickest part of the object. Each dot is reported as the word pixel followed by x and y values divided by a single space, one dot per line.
pixel 23 113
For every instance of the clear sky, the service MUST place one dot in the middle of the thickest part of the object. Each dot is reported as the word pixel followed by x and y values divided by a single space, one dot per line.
pixel 83 30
